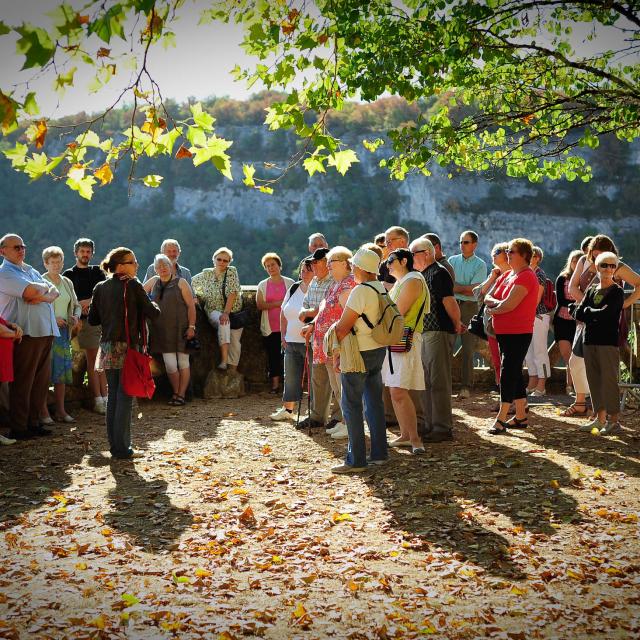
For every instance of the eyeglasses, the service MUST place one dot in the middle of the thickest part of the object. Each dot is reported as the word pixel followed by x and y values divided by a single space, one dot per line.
pixel 497 252
pixel 466 241
pixel 336 260
pixel 608 265
pixel 222 260
pixel 415 253
pixel 391 241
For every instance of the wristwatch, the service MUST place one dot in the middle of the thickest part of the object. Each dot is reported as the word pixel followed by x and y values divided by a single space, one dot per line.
pixel 192 326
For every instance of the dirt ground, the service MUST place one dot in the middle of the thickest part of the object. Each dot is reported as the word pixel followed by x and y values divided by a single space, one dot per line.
pixel 232 526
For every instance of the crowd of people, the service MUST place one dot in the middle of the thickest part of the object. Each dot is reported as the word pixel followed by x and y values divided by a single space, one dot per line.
pixel 353 329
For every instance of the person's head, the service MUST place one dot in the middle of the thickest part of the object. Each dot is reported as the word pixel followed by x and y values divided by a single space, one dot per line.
pixel 338 262
pixel 372 246
pixel 171 249
pixel 83 249
pixel 519 253
pixel 468 243
pixel 572 261
pixel 598 245
pixel 163 266
pixel 272 264
pixel 396 238
pixel 319 263
pixel 606 265
pixel 584 245
pixel 424 253
pixel 434 238
pixel 379 241
pixel 53 259
pixel 537 257
pixel 12 248
pixel 365 264
pixel 400 262
pixel 222 258
pixel 120 260
pixel 499 254
pixel 317 241
pixel 305 271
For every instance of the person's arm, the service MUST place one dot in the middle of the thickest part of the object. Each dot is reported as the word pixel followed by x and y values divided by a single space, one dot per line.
pixel 515 297
pixel 452 308
pixel 563 301
pixel 346 323
pixel 76 308
pixel 628 275
pixel 150 273
pixel 283 329
pixel 486 286
pixel 149 283
pixel 10 331
pixel 149 309
pixel 410 292
pixel 93 317
pixel 463 289
pixel 187 296
pixel 37 292
pixel 574 283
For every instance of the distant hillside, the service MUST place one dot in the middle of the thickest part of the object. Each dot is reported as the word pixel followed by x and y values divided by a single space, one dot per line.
pixel 204 210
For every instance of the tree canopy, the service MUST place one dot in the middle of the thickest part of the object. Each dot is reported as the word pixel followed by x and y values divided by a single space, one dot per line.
pixel 513 85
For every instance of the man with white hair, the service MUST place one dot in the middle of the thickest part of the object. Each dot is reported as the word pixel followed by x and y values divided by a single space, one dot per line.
pixel 317 241
pixel 25 299
pixel 440 327
pixel 171 249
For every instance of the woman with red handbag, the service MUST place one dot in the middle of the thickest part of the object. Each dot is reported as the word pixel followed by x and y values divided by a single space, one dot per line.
pixel 121 306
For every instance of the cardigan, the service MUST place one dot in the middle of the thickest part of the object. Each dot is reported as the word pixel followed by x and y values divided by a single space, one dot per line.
pixel 265 327
pixel 74 310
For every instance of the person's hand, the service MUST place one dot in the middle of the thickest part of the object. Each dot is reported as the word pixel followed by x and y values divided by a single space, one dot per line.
pixel 61 322
pixel 190 333
pixel 336 362
pixel 84 305
pixel 19 333
pixel 461 328
pixel 489 310
pixel 75 322
pixel 224 318
pixel 306 332
pixel 283 343
pixel 495 272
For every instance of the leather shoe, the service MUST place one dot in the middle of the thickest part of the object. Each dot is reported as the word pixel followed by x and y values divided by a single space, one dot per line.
pixel 20 435
pixel 307 423
pixel 40 432
pixel 437 436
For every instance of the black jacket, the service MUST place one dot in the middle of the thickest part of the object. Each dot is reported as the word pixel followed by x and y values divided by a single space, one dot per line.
pixel 107 309
pixel 602 320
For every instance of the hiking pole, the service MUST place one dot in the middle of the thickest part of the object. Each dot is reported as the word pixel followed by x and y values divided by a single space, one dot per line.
pixel 305 373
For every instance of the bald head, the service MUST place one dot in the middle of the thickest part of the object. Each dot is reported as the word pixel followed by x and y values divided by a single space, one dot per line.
pixel 423 253
pixel 12 248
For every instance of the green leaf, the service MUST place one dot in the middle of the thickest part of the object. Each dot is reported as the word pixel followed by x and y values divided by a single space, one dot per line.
pixel 4 29
pixel 248 170
pixel 84 186
pixel 88 139
pixel 152 181
pixel 196 136
pixel 215 148
pixel 342 160
pixel 30 105
pixel 109 24
pixel 314 164
pixel 36 166
pixel 17 155
pixel 202 118
pixel 223 165
pixel 265 189
pixel 129 600
pixel 64 80
pixel 36 46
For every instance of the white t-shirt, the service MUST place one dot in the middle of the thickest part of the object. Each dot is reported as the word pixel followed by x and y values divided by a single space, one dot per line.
pixel 363 300
pixel 291 307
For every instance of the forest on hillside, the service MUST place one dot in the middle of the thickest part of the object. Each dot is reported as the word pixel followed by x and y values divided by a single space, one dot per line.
pixel 362 204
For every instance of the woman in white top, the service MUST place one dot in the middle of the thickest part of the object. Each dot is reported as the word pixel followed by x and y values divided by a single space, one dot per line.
pixel 293 343
pixel 67 311
pixel 403 371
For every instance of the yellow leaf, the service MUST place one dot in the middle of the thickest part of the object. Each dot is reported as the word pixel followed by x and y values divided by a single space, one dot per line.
pixel 104 174
pixel 203 573
pixel 81 566
pixel 106 532
pixel 277 559
pixel 99 623
pixel 555 484
pixel 353 586
pixel 240 492
pixel 517 591
pixel 470 573
pixel 41 133
pixel 341 517
pixel 299 611
pixel 597 473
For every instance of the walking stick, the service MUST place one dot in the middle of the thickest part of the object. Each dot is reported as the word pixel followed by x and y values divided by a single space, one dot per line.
pixel 305 374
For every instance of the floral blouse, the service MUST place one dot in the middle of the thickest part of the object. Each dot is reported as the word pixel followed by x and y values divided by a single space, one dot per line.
pixel 207 285
pixel 330 314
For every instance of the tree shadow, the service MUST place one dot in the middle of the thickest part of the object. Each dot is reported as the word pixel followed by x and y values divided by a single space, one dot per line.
pixel 142 509
pixel 433 497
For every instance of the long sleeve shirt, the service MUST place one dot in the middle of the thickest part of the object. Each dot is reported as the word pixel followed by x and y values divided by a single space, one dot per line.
pixel 600 311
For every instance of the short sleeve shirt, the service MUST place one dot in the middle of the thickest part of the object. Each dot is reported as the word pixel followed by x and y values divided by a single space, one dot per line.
pixel 84 280
pixel 542 281
pixel 207 285
pixel 363 300
pixel 316 292
pixel 468 271
pixel 440 286
pixel 36 320
pixel 520 319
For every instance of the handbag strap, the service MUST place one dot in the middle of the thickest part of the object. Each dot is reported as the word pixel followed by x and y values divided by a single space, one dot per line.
pixel 224 286
pixel 126 323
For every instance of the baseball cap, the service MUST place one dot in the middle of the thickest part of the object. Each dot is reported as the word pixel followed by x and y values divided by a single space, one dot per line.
pixel 320 253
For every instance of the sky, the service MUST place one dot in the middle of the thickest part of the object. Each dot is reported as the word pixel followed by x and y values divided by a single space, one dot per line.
pixel 197 67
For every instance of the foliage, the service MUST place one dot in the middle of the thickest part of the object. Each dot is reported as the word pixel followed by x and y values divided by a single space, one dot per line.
pixel 505 84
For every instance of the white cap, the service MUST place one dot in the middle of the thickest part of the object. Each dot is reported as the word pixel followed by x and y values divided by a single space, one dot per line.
pixel 366 260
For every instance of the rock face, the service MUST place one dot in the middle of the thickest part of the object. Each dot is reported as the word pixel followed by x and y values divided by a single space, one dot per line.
pixel 223 384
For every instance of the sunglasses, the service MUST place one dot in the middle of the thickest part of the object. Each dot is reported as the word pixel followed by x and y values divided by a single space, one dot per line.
pixel 415 253
pixel 391 259
pixel 511 251
pixel 466 241
pixel 17 247
pixel 608 265
pixel 497 252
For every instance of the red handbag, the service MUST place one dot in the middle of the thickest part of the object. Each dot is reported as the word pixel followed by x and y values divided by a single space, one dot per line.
pixel 136 375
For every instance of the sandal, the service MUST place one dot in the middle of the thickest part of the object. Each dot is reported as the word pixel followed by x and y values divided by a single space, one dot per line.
pixel 178 401
pixel 573 411
pixel 518 423
pixel 495 431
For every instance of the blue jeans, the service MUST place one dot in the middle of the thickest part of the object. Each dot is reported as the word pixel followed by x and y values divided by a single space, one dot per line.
pixel 293 370
pixel 367 387
pixel 118 416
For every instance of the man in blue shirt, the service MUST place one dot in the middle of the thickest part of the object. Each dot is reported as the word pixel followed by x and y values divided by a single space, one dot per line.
pixel 25 298
pixel 470 271
pixel 171 249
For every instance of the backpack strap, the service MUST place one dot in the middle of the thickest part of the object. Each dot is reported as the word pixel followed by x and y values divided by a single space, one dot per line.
pixel 364 315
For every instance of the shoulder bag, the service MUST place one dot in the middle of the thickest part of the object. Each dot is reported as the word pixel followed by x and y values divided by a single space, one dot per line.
pixel 237 319
pixel 136 377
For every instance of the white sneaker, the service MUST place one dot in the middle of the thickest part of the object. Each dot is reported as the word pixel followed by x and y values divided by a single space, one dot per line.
pixel 340 432
pixel 282 414
pixel 6 441
pixel 100 407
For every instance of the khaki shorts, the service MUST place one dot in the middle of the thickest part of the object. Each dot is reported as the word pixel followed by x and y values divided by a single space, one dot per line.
pixel 89 336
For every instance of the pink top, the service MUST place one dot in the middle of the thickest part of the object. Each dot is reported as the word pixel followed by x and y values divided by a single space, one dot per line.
pixel 520 319
pixel 6 357
pixel 275 291
pixel 330 314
